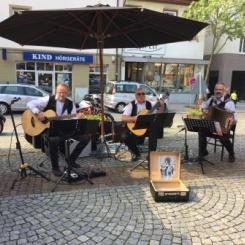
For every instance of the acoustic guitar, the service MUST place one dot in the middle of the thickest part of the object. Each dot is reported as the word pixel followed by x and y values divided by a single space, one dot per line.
pixel 33 127
pixel 141 132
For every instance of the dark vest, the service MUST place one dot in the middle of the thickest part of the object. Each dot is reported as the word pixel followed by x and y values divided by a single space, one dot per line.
pixel 134 107
pixel 220 105
pixel 68 105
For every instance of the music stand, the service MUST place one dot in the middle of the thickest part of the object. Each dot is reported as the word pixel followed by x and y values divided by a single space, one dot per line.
pixel 157 120
pixel 70 174
pixel 201 125
pixel 72 128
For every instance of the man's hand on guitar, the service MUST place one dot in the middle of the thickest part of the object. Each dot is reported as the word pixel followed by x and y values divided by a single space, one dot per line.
pixel 41 116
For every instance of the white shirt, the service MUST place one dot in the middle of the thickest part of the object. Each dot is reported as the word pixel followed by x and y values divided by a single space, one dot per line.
pixel 39 104
pixel 129 107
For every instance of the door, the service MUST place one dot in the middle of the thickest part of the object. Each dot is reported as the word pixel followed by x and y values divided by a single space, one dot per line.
pixel 213 79
pixel 238 84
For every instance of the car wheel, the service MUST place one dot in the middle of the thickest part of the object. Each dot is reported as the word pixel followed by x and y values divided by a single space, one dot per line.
pixel 1 126
pixel 3 108
pixel 120 107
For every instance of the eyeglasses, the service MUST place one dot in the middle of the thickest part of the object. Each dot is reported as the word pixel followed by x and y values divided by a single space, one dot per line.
pixel 139 94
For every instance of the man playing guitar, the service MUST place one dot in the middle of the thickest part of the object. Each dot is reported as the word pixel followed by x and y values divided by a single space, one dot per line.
pixel 130 116
pixel 63 106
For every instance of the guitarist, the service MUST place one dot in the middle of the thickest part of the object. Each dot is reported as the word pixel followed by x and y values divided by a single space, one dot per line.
pixel 130 116
pixel 62 106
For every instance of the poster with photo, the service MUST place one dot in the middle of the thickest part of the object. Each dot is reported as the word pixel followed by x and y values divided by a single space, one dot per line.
pixel 168 165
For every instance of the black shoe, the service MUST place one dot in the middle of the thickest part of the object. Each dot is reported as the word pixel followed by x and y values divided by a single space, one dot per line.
pixel 57 172
pixel 231 158
pixel 75 165
pixel 135 158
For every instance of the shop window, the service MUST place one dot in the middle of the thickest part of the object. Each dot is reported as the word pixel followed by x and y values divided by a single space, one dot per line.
pixel 21 66
pixel 49 67
pixel 30 66
pixel 40 66
pixel 177 77
pixel 26 77
pixel 64 78
pixel 59 67
pixel 67 67
pixel 134 71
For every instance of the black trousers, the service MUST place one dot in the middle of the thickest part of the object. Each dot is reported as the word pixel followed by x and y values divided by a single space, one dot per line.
pixel 202 136
pixel 131 140
pixel 56 143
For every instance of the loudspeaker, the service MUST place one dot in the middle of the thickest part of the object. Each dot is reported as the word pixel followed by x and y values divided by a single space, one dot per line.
pixel 4 54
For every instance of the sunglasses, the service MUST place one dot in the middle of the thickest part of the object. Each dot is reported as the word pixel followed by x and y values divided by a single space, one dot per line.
pixel 140 94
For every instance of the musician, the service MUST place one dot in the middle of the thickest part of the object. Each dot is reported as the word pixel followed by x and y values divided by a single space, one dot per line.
pixel 130 116
pixel 62 106
pixel 222 102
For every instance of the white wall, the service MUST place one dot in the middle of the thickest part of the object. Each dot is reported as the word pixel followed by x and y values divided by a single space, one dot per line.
pixel 182 50
pixel 231 47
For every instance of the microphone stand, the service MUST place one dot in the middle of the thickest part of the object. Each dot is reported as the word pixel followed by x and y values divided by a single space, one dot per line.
pixel 23 166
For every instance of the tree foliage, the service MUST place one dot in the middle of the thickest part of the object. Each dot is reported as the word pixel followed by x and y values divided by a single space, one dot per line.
pixel 226 19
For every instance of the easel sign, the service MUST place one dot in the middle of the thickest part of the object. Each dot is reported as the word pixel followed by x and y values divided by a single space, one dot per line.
pixel 165 183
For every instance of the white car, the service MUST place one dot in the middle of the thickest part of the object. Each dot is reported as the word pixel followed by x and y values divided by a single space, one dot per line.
pixel 119 94
pixel 21 92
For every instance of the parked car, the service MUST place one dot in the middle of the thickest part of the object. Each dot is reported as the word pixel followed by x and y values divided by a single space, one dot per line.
pixel 119 94
pixel 23 91
pixel 2 121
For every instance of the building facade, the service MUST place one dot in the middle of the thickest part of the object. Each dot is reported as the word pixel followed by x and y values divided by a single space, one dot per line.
pixel 171 67
pixel 228 66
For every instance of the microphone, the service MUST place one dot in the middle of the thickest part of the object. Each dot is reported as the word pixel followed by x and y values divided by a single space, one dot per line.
pixel 15 99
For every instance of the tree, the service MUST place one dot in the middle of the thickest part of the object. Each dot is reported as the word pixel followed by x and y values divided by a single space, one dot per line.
pixel 226 19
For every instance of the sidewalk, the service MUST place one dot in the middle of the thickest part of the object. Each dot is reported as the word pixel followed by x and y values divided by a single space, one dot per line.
pixel 119 208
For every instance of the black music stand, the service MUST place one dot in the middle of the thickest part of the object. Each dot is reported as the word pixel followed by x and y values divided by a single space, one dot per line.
pixel 158 120
pixel 71 128
pixel 201 125
pixel 70 174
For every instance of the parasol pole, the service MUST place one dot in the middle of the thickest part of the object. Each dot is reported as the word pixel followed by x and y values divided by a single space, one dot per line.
pixel 100 43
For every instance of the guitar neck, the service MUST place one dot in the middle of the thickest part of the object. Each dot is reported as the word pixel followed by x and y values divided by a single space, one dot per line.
pixel 61 117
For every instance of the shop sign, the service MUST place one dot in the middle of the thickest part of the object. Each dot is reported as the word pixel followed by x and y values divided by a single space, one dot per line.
pixel 57 57
pixel 157 50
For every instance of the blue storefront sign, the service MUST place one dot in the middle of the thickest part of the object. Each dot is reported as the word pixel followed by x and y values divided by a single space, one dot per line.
pixel 58 57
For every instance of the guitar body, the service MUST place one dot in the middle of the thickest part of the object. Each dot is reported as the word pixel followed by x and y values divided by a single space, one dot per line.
pixel 32 126
pixel 138 132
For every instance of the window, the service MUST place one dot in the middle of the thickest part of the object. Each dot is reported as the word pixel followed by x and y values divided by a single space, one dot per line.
pixel 242 45
pixel 130 88
pixel 147 90
pixel 32 92
pixel 14 90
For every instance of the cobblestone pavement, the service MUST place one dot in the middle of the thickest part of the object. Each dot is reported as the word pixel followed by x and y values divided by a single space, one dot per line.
pixel 119 208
